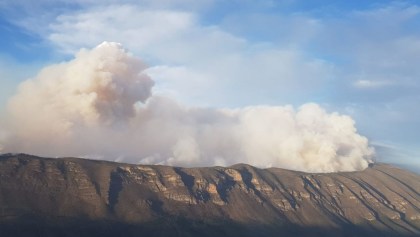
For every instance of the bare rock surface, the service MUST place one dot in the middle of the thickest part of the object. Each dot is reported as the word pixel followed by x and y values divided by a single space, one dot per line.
pixel 78 197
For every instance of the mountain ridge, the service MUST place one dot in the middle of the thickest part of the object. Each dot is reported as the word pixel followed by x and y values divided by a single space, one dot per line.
pixel 57 193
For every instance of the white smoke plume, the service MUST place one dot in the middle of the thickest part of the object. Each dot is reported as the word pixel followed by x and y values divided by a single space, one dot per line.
pixel 100 105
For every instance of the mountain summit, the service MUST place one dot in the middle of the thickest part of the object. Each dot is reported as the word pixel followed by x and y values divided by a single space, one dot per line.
pixel 78 197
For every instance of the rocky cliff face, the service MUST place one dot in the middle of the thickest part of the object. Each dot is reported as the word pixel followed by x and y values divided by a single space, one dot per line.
pixel 79 197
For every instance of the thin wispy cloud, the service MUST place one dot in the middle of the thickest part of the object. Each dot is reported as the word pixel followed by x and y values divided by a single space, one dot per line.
pixel 359 59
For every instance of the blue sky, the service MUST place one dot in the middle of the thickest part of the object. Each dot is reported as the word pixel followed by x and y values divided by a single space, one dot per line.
pixel 356 57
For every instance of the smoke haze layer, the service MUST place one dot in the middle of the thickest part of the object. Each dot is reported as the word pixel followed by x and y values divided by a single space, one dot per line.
pixel 99 105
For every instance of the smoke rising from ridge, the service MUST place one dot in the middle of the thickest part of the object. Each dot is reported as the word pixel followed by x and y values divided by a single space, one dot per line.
pixel 100 105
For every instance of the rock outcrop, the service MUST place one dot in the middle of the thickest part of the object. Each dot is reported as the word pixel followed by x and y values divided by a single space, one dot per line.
pixel 70 196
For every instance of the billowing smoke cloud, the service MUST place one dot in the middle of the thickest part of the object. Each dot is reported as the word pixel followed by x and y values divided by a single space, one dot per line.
pixel 100 105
